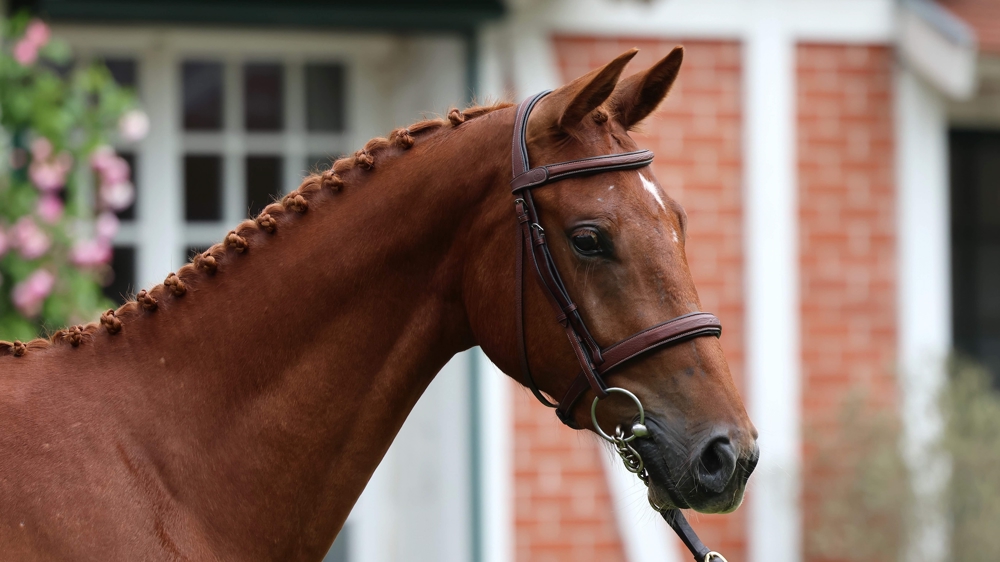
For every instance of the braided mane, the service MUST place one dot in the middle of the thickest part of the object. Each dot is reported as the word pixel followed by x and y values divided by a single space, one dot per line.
pixel 206 263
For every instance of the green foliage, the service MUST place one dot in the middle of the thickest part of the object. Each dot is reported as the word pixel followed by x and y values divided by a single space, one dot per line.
pixel 52 256
pixel 866 509
pixel 865 495
pixel 973 443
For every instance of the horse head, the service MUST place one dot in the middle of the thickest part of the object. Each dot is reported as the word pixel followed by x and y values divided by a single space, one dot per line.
pixel 616 239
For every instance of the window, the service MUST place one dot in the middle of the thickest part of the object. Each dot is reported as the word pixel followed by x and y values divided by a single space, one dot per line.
pixel 203 91
pixel 975 244
pixel 121 283
pixel 245 138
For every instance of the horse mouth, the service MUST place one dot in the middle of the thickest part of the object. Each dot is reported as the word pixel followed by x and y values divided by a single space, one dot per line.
pixel 672 484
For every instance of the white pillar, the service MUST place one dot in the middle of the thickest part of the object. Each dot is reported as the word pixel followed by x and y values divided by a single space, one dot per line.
pixel 772 284
pixel 496 426
pixel 924 301
pixel 160 166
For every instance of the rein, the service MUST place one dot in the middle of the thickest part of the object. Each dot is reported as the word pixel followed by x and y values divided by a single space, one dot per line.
pixel 595 361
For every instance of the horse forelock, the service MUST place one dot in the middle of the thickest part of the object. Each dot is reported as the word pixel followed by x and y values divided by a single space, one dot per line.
pixel 206 263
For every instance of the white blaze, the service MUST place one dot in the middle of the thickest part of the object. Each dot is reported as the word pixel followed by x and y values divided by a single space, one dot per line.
pixel 651 188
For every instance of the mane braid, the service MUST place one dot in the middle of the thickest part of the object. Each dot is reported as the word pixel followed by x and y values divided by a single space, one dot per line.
pixel 205 264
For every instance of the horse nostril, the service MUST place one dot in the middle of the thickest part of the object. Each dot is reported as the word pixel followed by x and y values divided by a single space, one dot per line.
pixel 717 465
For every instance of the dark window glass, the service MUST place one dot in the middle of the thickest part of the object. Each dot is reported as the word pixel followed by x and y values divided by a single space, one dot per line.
pixel 122 283
pixel 325 97
pixel 123 70
pixel 317 164
pixel 263 182
pixel 263 97
pixel 202 188
pixel 202 95
pixel 128 213
pixel 193 251
pixel 975 245
pixel 339 551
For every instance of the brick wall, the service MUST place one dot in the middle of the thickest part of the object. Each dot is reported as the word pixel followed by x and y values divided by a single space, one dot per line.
pixel 563 510
pixel 847 237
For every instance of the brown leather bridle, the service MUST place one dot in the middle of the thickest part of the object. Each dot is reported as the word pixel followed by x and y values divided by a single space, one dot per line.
pixel 595 361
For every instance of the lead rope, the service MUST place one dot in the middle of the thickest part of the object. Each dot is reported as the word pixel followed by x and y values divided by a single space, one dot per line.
pixel 634 464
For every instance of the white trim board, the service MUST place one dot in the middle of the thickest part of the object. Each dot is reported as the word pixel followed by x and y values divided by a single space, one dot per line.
pixel 771 257
pixel 923 299
pixel 840 21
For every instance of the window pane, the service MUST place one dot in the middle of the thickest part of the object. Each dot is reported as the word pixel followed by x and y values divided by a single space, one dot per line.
pixel 122 283
pixel 317 164
pixel 128 213
pixel 193 251
pixel 325 97
pixel 975 245
pixel 123 71
pixel 263 182
pixel 263 86
pixel 202 188
pixel 202 95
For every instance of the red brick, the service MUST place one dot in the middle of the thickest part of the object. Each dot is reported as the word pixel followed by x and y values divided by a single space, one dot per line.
pixel 847 240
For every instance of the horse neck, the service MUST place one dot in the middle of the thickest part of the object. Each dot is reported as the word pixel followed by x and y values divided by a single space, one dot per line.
pixel 266 395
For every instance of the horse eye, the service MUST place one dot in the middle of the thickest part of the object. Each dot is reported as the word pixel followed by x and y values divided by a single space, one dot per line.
pixel 587 242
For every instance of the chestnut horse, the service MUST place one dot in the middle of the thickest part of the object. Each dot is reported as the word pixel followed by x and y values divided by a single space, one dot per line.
pixel 237 411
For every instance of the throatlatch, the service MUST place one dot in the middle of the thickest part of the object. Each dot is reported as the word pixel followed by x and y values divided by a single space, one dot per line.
pixel 595 361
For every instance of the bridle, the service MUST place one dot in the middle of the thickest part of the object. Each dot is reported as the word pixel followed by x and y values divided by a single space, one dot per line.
pixel 595 361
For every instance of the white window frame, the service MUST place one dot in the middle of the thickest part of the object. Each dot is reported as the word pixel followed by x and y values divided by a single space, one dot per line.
pixel 159 233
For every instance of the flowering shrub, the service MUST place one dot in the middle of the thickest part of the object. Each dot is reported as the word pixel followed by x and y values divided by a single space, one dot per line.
pixel 60 181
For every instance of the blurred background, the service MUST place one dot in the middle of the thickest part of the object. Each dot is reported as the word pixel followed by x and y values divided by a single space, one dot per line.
pixel 839 161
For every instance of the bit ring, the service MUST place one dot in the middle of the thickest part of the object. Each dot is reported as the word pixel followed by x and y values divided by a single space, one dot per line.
pixel 597 426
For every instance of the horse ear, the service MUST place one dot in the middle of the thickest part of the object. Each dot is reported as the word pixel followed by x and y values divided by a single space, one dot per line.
pixel 638 95
pixel 568 105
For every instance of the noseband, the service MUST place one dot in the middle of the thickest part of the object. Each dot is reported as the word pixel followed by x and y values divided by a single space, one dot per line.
pixel 595 361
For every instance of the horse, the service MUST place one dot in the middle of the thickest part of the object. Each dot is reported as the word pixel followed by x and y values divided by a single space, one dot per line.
pixel 237 410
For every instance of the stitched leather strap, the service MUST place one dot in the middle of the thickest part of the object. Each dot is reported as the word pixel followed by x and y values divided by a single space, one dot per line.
pixel 679 524
pixel 671 332
pixel 593 165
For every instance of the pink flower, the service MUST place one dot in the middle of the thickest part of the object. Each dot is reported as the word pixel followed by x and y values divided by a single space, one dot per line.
pixel 48 173
pixel 100 156
pixel 114 170
pixel 47 177
pixel 31 242
pixel 41 148
pixel 107 226
pixel 28 295
pixel 117 196
pixel 90 253
pixel 36 35
pixel 37 32
pixel 133 125
pixel 25 52
pixel 50 208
